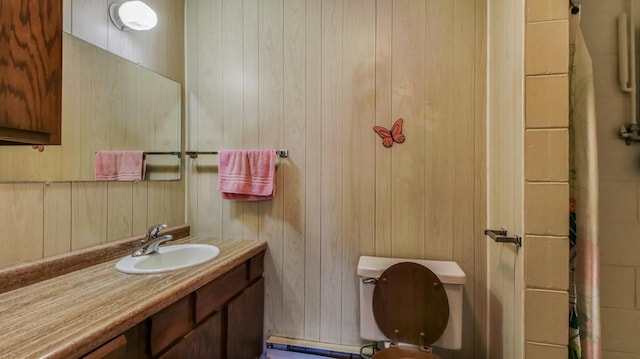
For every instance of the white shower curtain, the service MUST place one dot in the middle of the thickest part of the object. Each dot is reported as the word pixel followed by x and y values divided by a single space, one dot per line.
pixel 585 282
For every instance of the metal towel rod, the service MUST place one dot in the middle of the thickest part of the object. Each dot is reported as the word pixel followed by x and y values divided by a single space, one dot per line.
pixel 161 153
pixel 194 154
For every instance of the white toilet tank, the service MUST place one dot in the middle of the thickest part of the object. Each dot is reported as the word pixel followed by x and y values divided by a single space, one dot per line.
pixel 449 273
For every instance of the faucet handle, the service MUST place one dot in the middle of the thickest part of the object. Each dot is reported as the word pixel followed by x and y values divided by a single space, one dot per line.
pixel 154 230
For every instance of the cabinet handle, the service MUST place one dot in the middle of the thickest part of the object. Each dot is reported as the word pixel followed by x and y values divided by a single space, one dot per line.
pixel 501 236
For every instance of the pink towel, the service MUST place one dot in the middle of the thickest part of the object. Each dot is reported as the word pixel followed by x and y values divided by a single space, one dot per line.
pixel 247 175
pixel 119 166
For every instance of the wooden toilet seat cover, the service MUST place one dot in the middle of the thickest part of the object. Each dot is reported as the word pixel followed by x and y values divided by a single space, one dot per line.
pixel 409 299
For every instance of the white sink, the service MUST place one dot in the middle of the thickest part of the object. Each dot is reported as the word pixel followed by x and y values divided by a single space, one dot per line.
pixel 168 258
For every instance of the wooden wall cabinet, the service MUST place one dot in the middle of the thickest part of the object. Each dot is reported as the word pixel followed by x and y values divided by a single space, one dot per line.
pixel 30 72
pixel 221 320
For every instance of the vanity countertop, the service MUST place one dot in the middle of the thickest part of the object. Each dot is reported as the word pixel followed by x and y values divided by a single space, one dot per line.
pixel 69 315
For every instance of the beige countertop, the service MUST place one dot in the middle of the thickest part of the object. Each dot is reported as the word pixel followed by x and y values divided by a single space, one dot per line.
pixel 69 315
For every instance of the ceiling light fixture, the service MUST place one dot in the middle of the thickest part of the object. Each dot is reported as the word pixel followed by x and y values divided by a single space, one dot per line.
pixel 134 15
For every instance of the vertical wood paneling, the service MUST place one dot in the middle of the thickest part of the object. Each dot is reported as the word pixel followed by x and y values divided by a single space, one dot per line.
pixel 21 222
pixel 157 211
pixel 232 102
pixel 331 250
pixel 89 214
pixel 119 210
pixel 86 111
pixel 326 72
pixel 174 202
pixel 441 123
pixel 251 89
pixel 293 279
pixel 57 221
pixel 71 110
pixel 408 167
pixel 271 113
pixel 480 180
pixel 313 169
pixel 358 88
pixel 209 131
pixel 191 107
pixel 464 233
pixel 140 211
pixel 383 195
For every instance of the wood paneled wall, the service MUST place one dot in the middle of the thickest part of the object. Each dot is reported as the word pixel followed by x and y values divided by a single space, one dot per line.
pixel 44 219
pixel 314 77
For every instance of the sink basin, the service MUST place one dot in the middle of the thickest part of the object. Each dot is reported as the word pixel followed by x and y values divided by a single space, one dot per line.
pixel 168 258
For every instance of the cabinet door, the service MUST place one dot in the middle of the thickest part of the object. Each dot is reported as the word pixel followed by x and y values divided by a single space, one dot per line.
pixel 30 71
pixel 245 321
pixel 170 324
pixel 204 342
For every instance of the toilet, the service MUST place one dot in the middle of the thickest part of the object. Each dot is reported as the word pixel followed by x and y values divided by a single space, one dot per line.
pixel 411 305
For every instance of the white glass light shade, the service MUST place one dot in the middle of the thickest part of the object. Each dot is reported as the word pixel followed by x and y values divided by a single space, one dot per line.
pixel 134 15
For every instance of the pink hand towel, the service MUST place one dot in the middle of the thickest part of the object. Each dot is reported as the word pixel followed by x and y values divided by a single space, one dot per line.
pixel 247 175
pixel 119 166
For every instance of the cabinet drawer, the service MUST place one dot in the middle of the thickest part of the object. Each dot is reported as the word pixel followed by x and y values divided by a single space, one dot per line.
pixel 115 348
pixel 170 324
pixel 213 295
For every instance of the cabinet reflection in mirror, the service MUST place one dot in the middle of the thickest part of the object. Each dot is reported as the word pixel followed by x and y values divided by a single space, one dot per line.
pixel 108 103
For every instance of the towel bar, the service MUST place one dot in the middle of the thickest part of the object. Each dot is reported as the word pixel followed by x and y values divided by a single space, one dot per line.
pixel 194 154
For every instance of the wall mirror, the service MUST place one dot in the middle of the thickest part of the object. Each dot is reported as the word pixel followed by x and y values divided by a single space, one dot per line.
pixel 108 103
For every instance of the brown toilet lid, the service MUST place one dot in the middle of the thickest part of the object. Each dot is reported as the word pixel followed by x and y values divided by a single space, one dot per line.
pixel 409 299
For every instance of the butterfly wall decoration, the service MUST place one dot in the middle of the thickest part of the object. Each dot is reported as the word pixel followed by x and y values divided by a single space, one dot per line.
pixel 391 136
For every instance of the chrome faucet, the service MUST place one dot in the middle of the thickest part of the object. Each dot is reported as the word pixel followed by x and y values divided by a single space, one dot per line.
pixel 153 232
pixel 151 241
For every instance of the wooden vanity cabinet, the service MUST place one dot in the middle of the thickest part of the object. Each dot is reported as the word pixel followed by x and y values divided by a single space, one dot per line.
pixel 221 320
pixel 30 72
